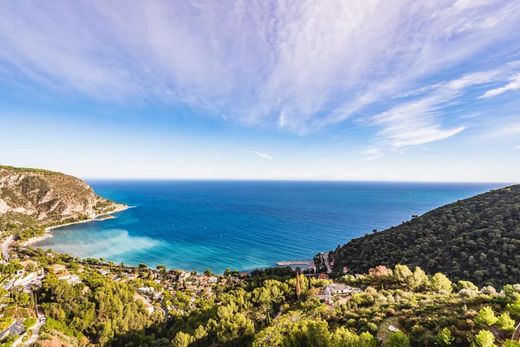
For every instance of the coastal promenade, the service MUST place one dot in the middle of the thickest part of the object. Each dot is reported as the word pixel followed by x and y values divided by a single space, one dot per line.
pixel 307 264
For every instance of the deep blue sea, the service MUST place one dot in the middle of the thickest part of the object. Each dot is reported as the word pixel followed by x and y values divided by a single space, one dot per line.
pixel 196 225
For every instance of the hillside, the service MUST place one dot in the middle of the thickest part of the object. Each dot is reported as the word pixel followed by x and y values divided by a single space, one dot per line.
pixel 32 197
pixel 476 239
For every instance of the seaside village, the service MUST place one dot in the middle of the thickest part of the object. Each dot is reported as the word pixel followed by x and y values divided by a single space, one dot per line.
pixel 21 317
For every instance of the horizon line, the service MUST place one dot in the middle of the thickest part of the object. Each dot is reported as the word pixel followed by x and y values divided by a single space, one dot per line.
pixel 290 180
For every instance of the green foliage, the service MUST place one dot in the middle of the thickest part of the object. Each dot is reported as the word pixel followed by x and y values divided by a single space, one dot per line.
pixel 514 307
pixel 505 322
pixel 99 309
pixel 399 339
pixel 444 337
pixel 182 340
pixel 484 338
pixel 467 285
pixel 441 283
pixel 486 316
pixel 29 322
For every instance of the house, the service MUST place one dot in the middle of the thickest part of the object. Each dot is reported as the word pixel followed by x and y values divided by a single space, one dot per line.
pixel 103 272
pixel 145 290
pixel 73 279
pixel 338 291
pixel 340 288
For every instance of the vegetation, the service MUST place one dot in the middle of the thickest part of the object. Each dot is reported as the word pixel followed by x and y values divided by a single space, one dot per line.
pixel 448 281
pixel 476 239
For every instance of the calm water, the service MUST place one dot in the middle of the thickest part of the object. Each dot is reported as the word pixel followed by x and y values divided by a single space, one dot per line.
pixel 195 225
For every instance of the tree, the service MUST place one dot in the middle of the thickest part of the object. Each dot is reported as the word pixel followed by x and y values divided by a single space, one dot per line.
pixel 467 285
pixel 342 337
pixel 514 307
pixel 367 340
pixel 399 339
pixel 440 282
pixel 182 339
pixel 420 278
pixel 505 322
pixel 484 338
pixel 444 337
pixel 486 316
pixel 403 275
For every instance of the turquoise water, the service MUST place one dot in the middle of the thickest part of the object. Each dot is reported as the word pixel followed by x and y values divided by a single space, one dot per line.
pixel 195 225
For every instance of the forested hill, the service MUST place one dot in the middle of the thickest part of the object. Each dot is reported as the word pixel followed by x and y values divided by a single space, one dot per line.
pixel 476 239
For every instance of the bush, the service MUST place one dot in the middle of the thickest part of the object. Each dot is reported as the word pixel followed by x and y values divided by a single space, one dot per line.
pixel 505 322
pixel 484 338
pixel 29 322
pixel 399 339
pixel 486 316
pixel 444 337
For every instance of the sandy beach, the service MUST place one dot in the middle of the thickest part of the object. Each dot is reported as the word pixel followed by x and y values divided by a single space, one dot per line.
pixel 98 217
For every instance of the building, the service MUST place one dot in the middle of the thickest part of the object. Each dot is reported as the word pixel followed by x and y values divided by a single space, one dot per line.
pixel 338 291
pixel 340 288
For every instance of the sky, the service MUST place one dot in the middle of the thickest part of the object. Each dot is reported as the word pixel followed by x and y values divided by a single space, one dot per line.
pixel 342 90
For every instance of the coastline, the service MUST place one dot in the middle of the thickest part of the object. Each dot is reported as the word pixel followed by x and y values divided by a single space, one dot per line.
pixel 48 231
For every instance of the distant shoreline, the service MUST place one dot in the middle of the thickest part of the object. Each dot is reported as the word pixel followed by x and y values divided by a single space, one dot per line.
pixel 48 231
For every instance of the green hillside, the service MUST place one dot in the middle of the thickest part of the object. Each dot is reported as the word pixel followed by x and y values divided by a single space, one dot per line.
pixel 476 239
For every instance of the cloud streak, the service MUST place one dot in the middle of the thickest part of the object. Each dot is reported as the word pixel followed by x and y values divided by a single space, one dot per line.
pixel 262 155
pixel 514 84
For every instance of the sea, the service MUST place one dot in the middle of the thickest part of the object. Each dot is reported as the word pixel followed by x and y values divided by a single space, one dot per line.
pixel 244 225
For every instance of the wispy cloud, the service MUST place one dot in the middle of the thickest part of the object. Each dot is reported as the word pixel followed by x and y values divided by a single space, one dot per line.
pixel 517 147
pixel 418 120
pixel 262 155
pixel 514 84
pixel 373 154
pixel 297 65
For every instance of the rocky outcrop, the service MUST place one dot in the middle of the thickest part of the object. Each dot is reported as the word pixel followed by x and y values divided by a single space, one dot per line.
pixel 48 197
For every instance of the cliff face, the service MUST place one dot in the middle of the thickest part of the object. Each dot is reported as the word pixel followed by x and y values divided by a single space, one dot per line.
pixel 46 197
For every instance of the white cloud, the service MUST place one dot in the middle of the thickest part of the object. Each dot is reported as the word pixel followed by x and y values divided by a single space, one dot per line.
pixel 262 155
pixel 419 120
pixel 517 147
pixel 296 65
pixel 514 84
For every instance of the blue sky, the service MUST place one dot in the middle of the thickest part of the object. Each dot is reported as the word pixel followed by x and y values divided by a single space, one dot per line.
pixel 353 90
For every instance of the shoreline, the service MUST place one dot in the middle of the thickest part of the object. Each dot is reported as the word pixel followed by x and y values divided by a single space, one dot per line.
pixel 48 231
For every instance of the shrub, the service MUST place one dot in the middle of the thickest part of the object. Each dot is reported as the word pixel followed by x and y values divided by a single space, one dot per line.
pixel 444 337
pixel 441 283
pixel 486 316
pixel 505 322
pixel 484 338
pixel 399 339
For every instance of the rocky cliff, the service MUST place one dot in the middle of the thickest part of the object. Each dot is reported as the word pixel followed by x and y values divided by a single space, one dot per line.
pixel 41 197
